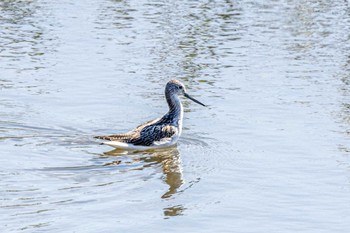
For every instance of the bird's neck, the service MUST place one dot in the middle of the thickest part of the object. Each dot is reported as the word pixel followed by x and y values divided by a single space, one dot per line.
pixel 174 103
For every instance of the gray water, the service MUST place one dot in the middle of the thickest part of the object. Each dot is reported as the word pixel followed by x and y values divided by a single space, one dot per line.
pixel 269 154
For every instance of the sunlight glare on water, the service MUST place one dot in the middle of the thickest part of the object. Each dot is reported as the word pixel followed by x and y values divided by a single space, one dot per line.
pixel 270 153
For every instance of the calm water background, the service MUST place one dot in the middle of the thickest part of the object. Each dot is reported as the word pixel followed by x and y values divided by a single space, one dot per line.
pixel 271 153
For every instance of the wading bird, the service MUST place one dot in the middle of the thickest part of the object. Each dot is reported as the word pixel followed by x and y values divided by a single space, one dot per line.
pixel 159 133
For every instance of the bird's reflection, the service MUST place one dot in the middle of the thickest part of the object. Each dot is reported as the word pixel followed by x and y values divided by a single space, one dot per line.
pixel 173 211
pixel 167 158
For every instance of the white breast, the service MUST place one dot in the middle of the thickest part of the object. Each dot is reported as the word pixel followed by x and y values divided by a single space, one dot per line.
pixel 180 120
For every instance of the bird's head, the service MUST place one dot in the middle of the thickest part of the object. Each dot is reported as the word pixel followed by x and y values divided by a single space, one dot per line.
pixel 177 88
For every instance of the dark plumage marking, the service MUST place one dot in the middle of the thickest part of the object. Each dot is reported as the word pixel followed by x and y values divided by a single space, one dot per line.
pixel 114 137
pixel 145 134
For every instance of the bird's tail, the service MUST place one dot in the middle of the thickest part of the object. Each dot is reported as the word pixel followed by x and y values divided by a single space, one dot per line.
pixel 115 137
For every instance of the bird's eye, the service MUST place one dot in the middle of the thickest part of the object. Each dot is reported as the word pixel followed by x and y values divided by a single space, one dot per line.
pixel 180 87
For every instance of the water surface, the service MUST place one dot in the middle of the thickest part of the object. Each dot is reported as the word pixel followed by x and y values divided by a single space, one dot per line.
pixel 269 154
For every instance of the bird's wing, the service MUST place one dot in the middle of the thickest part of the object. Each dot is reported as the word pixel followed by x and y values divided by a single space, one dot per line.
pixel 147 136
pixel 153 133
pixel 143 125
pixel 127 136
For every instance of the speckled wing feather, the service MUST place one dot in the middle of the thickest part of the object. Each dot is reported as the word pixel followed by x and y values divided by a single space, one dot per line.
pixel 143 125
pixel 151 134
pixel 145 134
pixel 114 137
pixel 128 135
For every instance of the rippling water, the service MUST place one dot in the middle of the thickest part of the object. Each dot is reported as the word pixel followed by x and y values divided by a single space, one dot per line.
pixel 269 154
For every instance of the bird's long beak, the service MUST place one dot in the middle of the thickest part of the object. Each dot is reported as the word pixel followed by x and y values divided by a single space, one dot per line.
pixel 193 99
